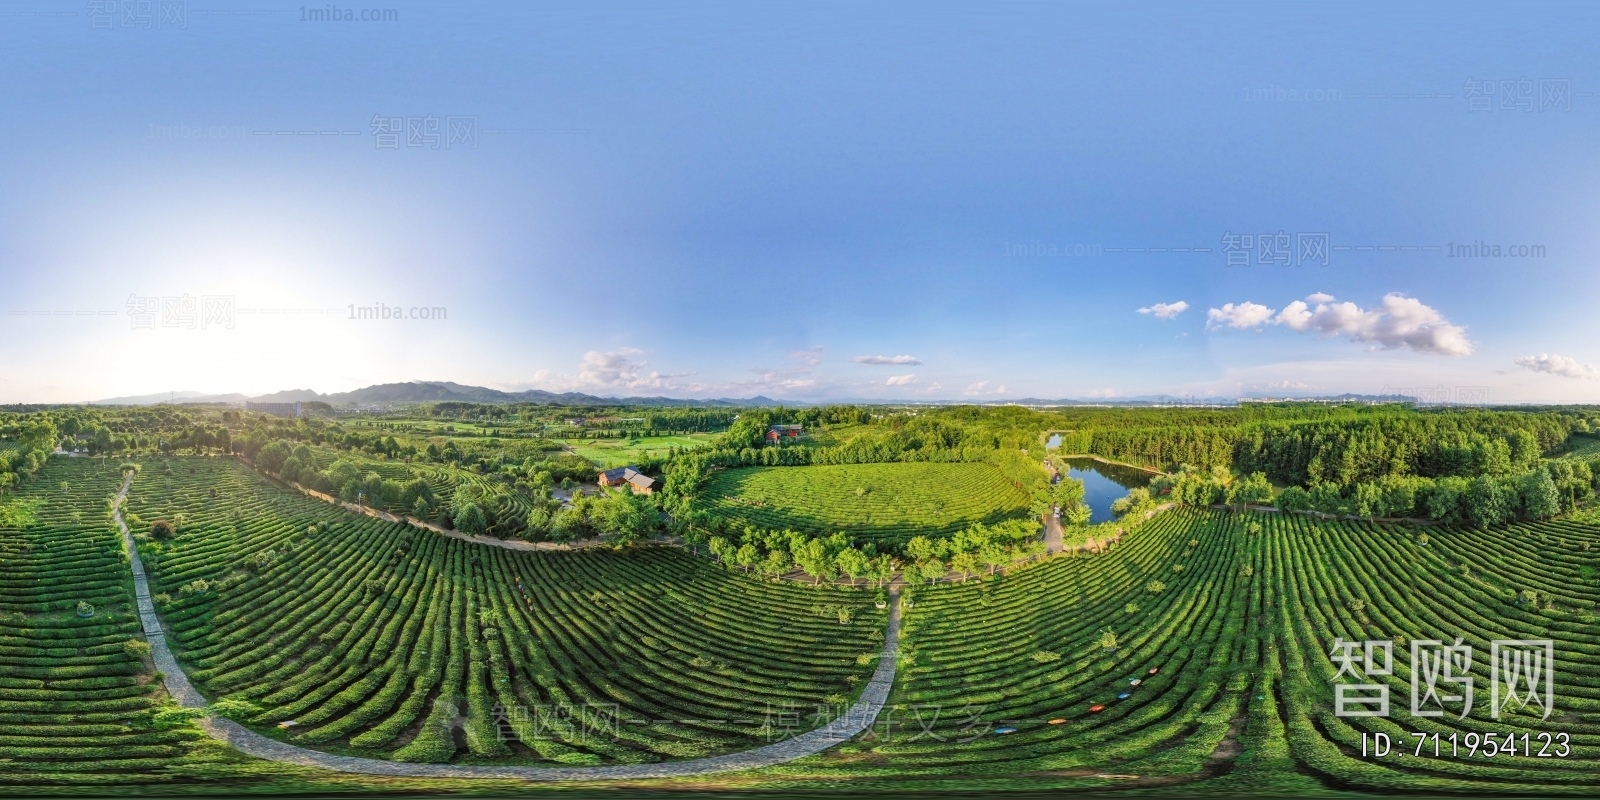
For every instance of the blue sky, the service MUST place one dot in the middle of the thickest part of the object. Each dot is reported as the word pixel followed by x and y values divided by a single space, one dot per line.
pixel 734 199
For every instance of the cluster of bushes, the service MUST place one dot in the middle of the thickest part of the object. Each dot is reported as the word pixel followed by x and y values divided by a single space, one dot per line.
pixel 490 506
pixel 1486 500
pixel 347 480
pixel 824 558
pixel 1136 501
pixel 621 514
pixel 37 440
pixel 1197 487
pixel 973 550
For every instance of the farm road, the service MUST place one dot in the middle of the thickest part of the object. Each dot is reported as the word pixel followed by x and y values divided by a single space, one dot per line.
pixel 859 718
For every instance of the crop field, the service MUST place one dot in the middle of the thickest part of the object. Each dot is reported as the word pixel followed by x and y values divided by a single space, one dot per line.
pixel 1579 447
pixel 376 639
pixel 1196 653
pixel 1235 683
pixel 609 453
pixel 871 501
pixel 75 706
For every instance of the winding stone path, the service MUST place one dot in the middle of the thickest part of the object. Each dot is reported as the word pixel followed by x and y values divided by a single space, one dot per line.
pixel 858 719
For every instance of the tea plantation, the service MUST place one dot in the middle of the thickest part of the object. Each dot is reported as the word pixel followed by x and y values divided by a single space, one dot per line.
pixel 378 639
pixel 866 501
pixel 1195 655
pixel 1200 651
pixel 78 706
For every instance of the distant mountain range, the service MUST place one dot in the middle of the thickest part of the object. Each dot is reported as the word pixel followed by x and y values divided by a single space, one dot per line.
pixel 442 391
pixel 425 392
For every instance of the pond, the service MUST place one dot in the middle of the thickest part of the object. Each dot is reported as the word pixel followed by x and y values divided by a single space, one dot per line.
pixel 1104 483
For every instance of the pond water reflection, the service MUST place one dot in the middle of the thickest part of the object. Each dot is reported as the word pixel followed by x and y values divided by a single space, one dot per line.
pixel 1104 483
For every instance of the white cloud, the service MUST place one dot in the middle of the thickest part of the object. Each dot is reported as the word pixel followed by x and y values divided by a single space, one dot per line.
pixel 773 379
pixel 618 369
pixel 974 389
pixel 1559 365
pixel 1243 315
pixel 901 380
pixel 882 361
pixel 1166 310
pixel 811 355
pixel 1398 323
pixel 1319 297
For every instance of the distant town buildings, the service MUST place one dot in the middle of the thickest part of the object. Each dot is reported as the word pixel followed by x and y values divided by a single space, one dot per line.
pixel 638 481
pixel 291 410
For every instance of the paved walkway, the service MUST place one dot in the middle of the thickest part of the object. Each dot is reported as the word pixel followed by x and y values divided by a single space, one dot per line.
pixel 858 719
pixel 1052 534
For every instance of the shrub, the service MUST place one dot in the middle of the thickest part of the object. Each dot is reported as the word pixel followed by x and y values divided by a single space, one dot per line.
pixel 470 519
pixel 136 648
pixel 235 709
pixel 194 587
pixel 162 530
pixel 174 716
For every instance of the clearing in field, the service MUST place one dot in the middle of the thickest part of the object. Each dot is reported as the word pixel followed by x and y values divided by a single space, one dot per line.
pixel 867 500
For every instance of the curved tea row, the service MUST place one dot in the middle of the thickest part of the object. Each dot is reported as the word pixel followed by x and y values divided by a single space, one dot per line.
pixel 1221 670
pixel 379 639
pixel 76 703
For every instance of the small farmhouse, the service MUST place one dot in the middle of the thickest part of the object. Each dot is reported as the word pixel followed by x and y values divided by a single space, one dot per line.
pixel 779 432
pixel 639 482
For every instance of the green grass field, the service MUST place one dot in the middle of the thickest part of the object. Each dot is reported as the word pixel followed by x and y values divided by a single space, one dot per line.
pixel 885 501
pixel 609 453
